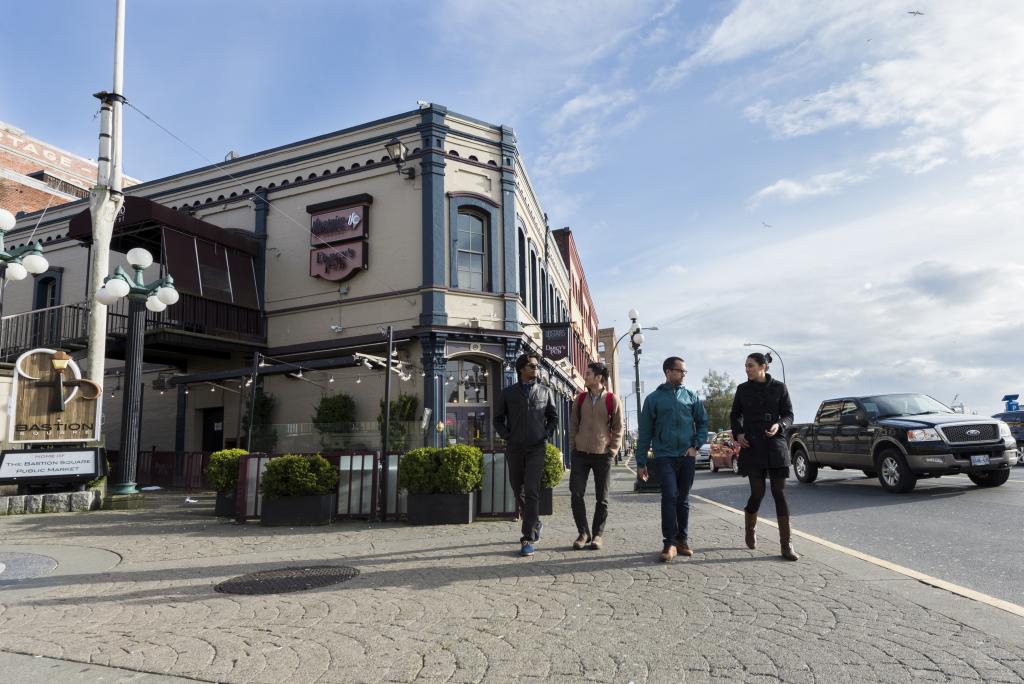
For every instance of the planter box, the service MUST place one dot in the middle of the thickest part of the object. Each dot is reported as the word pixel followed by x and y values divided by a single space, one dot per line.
pixel 547 503
pixel 298 510
pixel 225 505
pixel 440 509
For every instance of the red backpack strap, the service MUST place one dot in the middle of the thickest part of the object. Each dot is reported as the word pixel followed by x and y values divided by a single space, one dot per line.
pixel 580 399
pixel 609 403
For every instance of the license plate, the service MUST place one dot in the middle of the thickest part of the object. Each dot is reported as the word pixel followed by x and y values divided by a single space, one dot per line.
pixel 979 459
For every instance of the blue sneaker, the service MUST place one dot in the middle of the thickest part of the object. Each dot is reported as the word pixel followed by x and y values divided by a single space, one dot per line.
pixel 526 549
pixel 537 529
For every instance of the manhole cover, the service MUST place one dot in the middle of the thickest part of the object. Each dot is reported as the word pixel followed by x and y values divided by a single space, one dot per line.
pixel 287 580
pixel 19 566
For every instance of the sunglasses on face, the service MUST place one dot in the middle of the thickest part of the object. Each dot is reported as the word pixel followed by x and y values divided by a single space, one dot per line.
pixel 534 366
pixel 678 370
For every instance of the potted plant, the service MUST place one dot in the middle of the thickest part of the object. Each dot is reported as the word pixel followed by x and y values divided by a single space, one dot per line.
pixel 222 474
pixel 298 490
pixel 441 483
pixel 554 469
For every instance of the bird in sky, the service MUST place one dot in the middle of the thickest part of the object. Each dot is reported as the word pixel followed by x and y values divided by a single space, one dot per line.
pixel 766 225
pixel 916 13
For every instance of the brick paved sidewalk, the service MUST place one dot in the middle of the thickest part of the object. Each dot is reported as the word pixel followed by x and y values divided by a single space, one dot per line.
pixel 134 590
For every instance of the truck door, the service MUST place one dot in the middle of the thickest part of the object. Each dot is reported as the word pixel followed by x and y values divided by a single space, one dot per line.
pixel 853 441
pixel 824 431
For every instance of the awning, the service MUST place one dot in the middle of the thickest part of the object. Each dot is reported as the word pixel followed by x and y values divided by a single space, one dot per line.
pixel 140 225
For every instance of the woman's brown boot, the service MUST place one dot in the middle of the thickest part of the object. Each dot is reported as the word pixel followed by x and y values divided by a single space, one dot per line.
pixel 785 538
pixel 750 521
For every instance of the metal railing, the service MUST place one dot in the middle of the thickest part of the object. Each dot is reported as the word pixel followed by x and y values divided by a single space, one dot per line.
pixel 66 326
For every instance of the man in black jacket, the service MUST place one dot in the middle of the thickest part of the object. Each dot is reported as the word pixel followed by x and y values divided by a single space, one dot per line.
pixel 525 417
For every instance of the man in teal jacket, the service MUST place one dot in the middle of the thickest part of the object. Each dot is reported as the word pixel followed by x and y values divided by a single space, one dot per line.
pixel 674 424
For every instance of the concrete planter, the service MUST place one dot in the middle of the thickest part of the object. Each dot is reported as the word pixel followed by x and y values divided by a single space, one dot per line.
pixel 298 510
pixel 547 501
pixel 225 504
pixel 440 509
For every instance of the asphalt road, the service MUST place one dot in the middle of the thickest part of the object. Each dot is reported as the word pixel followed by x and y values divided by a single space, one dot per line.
pixel 947 528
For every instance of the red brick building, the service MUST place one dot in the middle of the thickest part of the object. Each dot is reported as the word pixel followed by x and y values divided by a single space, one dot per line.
pixel 35 174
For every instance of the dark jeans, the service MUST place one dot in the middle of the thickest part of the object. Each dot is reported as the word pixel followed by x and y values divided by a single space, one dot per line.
pixel 676 478
pixel 582 464
pixel 525 467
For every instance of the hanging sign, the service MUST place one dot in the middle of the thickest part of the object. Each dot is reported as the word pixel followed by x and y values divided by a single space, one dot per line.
pixel 51 402
pixel 336 225
pixel 338 262
pixel 556 342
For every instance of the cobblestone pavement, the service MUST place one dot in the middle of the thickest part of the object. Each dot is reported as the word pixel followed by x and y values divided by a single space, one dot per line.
pixel 456 604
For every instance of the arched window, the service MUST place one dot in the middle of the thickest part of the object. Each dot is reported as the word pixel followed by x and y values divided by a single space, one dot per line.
pixel 471 251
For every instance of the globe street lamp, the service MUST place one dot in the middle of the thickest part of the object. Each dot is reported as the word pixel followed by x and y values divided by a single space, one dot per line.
pixel 17 263
pixel 769 359
pixel 155 297
pixel 636 341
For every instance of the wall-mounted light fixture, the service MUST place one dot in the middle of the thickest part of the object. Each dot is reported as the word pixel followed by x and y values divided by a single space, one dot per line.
pixel 397 151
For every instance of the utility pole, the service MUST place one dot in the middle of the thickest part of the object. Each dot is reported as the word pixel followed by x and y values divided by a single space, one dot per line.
pixel 105 202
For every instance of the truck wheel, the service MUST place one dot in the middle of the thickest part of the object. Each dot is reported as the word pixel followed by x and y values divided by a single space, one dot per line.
pixel 893 472
pixel 990 478
pixel 805 470
pixel 870 473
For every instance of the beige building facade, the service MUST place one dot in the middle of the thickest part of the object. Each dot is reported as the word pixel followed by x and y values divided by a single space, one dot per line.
pixel 292 261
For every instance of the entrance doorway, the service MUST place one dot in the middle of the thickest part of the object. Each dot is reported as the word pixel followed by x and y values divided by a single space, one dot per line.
pixel 213 429
pixel 468 390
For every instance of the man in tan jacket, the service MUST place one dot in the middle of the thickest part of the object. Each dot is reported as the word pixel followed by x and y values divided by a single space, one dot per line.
pixel 595 434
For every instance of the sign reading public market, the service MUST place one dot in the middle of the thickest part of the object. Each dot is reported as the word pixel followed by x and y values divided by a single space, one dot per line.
pixel 51 402
pixel 17 467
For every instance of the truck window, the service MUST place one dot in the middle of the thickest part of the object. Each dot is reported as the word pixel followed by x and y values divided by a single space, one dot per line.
pixel 849 408
pixel 829 412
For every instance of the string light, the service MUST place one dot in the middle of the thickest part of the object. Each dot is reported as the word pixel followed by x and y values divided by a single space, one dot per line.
pixel 359 379
pixel 332 379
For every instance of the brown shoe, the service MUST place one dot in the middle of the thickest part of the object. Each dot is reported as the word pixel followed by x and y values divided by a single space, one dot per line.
pixel 785 539
pixel 684 548
pixel 596 543
pixel 668 553
pixel 581 541
pixel 750 522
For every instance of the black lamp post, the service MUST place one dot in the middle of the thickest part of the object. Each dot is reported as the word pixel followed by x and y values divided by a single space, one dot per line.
pixel 17 263
pixel 636 341
pixel 769 359
pixel 155 297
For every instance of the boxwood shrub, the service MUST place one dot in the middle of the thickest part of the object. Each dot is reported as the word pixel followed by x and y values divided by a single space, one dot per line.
pixel 294 475
pixel 554 469
pixel 222 470
pixel 447 470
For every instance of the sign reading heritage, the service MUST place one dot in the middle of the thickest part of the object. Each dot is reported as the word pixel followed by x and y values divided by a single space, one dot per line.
pixel 339 224
pixel 51 402
pixel 338 262
pixel 556 342
pixel 71 465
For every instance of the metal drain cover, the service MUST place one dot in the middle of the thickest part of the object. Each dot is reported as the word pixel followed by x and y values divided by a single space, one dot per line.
pixel 286 580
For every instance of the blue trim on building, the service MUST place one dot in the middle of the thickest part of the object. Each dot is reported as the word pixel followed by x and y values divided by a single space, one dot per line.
pixel 509 228
pixel 487 208
pixel 433 131
pixel 261 210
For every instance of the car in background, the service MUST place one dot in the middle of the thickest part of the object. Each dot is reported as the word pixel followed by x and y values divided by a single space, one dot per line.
pixel 1015 419
pixel 704 453
pixel 725 452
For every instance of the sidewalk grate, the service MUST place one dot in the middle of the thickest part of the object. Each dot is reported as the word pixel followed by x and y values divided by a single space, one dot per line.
pixel 285 580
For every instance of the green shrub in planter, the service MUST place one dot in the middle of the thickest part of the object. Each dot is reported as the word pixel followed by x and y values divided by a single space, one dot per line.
pixel 554 469
pixel 222 470
pixel 293 475
pixel 447 470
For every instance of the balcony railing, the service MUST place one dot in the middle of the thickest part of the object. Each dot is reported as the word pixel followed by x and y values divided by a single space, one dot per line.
pixel 66 326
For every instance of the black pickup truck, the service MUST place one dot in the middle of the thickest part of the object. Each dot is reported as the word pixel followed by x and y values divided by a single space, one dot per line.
pixel 900 438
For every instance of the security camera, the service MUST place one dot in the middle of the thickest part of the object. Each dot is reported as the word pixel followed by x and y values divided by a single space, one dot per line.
pixel 422 104
pixel 337 328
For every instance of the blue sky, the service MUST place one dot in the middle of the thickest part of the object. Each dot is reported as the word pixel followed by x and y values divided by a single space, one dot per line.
pixel 882 150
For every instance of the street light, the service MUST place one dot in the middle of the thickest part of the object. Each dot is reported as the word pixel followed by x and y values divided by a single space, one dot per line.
pixel 397 151
pixel 769 359
pixel 17 263
pixel 156 297
pixel 636 341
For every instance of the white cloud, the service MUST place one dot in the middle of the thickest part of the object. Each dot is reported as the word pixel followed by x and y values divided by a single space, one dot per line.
pixel 918 158
pixel 821 184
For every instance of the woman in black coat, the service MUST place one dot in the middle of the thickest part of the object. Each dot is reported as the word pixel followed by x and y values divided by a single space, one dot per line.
pixel 761 414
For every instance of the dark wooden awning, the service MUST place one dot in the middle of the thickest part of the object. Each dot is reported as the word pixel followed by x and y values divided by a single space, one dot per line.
pixel 141 224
